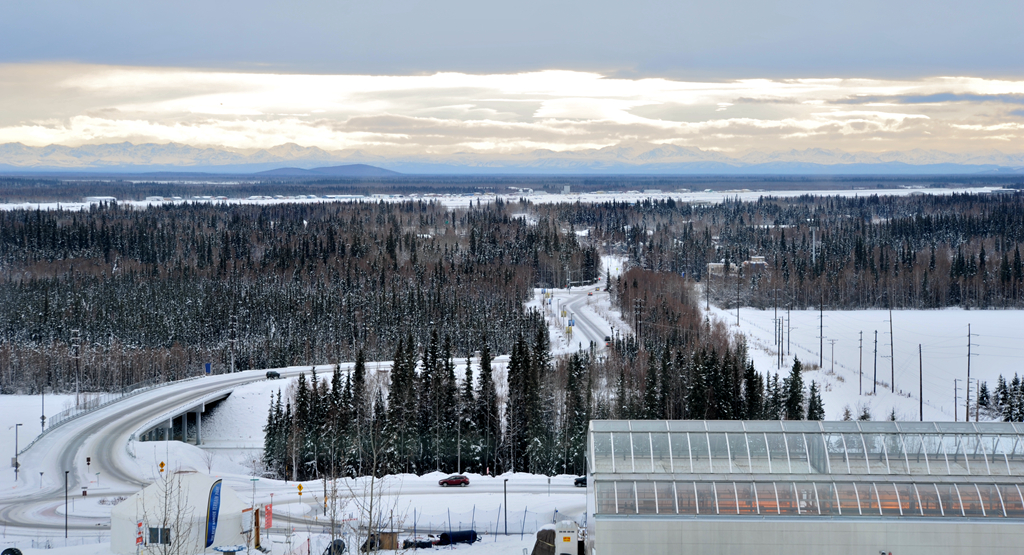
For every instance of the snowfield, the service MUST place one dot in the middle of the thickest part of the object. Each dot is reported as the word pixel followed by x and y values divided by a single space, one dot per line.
pixel 464 200
pixel 997 338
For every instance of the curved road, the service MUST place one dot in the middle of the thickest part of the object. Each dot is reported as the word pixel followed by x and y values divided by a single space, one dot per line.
pixel 589 325
pixel 102 435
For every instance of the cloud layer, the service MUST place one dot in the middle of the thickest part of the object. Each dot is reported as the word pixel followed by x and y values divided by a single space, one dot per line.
pixel 446 113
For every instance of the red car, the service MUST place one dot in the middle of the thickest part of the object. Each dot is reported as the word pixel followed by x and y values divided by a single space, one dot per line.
pixel 454 480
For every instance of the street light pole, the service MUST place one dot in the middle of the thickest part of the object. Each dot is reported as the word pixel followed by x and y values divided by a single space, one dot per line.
pixel 16 465
pixel 505 488
pixel 66 472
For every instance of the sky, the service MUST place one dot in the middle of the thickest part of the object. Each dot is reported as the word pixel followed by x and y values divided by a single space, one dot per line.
pixel 446 76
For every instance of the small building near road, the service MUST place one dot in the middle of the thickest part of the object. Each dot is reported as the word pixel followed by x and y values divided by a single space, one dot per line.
pixel 175 512
pixel 802 487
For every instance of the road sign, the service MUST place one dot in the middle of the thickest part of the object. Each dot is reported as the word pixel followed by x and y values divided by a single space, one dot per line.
pixel 208 365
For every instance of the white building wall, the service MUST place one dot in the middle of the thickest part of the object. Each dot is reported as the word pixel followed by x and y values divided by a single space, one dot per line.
pixel 725 536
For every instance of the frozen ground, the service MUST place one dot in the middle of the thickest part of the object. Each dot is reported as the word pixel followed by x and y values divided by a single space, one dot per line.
pixel 997 348
pixel 463 201
pixel 26 409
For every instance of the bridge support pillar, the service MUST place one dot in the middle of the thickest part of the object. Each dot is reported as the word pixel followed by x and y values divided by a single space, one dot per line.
pixel 170 429
pixel 199 426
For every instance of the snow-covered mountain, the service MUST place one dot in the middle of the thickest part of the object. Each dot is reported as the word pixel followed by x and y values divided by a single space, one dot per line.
pixel 639 158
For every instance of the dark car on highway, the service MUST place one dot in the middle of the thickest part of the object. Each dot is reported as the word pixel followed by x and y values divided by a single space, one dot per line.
pixel 273 374
pixel 454 480
pixel 580 482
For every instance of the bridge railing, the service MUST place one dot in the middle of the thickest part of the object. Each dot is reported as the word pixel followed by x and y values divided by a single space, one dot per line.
pixel 95 401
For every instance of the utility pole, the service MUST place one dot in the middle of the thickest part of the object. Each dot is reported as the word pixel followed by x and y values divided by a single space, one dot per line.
pixel 76 340
pixel 892 356
pixel 232 338
pixel 738 274
pixel 779 349
pixel 874 386
pixel 833 342
pixel 860 366
pixel 814 253
pixel 777 341
pixel 920 381
pixel 967 410
pixel 955 402
pixel 977 400
pixel 707 291
pixel 16 463
pixel 821 329
pixel 789 329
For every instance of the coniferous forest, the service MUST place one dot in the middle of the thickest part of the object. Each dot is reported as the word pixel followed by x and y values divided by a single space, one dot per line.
pixel 153 294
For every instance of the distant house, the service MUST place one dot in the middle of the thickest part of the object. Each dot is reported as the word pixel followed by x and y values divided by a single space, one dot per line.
pixel 111 200
pixel 755 264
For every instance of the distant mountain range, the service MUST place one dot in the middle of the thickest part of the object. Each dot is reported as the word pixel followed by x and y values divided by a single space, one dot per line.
pixel 291 160
pixel 350 170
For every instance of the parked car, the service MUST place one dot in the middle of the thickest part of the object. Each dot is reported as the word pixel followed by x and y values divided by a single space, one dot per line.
pixel 580 482
pixel 454 480
pixel 273 375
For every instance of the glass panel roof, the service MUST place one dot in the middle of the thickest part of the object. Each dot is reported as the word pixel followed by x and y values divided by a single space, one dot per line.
pixel 858 450
pixel 648 425
pixel 725 425
pixel 687 425
pixel 763 425
pixel 796 498
pixel 801 426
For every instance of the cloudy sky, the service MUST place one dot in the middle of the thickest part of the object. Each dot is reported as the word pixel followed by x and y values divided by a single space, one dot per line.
pixel 417 77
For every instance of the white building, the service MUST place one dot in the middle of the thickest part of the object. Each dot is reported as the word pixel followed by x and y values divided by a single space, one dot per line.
pixel 175 511
pixel 801 487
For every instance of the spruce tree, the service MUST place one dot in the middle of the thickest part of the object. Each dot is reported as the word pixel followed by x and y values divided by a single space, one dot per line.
pixel 487 415
pixel 794 392
pixel 753 393
pixel 815 408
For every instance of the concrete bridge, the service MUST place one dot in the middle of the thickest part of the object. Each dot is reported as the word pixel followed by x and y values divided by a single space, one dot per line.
pixel 184 424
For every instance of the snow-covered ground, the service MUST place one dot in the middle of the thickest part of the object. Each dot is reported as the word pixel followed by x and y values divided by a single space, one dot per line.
pixel 24 410
pixel 997 338
pixel 464 200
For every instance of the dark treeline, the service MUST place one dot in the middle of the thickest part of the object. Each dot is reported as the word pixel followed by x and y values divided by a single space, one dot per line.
pixel 153 292
pixel 531 418
pixel 71 186
pixel 918 251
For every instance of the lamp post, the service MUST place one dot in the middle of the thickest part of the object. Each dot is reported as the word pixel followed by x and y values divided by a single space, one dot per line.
pixel 16 465
pixel 66 472
pixel 505 488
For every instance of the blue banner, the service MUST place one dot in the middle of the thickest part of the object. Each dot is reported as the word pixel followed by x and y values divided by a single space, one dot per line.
pixel 212 511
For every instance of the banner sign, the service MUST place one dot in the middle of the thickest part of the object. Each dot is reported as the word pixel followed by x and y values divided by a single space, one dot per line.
pixel 212 512
pixel 269 510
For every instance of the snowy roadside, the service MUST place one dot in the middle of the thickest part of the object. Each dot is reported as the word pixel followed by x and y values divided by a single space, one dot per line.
pixel 997 338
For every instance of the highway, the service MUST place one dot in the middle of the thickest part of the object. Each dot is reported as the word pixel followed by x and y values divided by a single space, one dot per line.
pixel 103 436
pixel 589 325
